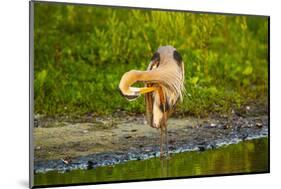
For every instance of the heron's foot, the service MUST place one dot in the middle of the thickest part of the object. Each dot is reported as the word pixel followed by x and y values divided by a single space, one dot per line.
pixel 165 156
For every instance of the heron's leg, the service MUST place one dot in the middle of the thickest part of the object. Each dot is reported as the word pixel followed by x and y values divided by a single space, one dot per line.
pixel 161 141
pixel 166 139
pixel 166 130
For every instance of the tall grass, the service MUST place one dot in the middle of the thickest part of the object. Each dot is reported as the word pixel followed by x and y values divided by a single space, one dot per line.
pixel 81 53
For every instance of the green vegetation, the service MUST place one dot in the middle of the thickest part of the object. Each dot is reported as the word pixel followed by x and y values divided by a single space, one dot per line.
pixel 81 52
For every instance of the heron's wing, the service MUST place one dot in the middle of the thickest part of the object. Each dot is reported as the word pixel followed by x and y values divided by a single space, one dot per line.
pixel 149 106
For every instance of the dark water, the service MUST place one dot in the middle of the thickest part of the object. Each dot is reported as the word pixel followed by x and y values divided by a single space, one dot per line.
pixel 244 157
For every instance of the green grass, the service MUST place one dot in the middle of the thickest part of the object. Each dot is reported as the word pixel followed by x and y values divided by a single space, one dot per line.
pixel 81 52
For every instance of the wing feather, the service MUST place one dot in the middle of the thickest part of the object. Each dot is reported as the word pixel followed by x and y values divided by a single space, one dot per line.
pixel 149 106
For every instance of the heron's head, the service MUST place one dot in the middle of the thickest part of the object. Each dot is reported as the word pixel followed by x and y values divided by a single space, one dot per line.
pixel 132 93
pixel 125 88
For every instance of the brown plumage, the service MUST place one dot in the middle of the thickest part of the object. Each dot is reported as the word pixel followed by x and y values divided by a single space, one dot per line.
pixel 164 87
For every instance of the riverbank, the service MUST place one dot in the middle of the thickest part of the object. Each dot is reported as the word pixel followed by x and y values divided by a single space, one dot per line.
pixel 63 145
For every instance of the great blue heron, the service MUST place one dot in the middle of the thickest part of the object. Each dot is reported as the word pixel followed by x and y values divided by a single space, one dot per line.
pixel 164 86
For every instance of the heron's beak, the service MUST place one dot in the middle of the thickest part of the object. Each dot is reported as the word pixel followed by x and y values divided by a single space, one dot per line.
pixel 135 92
pixel 147 90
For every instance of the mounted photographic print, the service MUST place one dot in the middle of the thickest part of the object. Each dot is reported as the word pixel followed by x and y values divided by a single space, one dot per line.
pixel 121 94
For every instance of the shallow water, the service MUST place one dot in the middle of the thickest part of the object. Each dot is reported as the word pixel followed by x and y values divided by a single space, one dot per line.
pixel 245 157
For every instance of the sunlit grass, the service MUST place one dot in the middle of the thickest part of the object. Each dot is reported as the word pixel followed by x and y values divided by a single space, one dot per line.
pixel 81 53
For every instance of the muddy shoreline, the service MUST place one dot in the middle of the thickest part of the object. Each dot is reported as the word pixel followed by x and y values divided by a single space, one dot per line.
pixel 64 146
